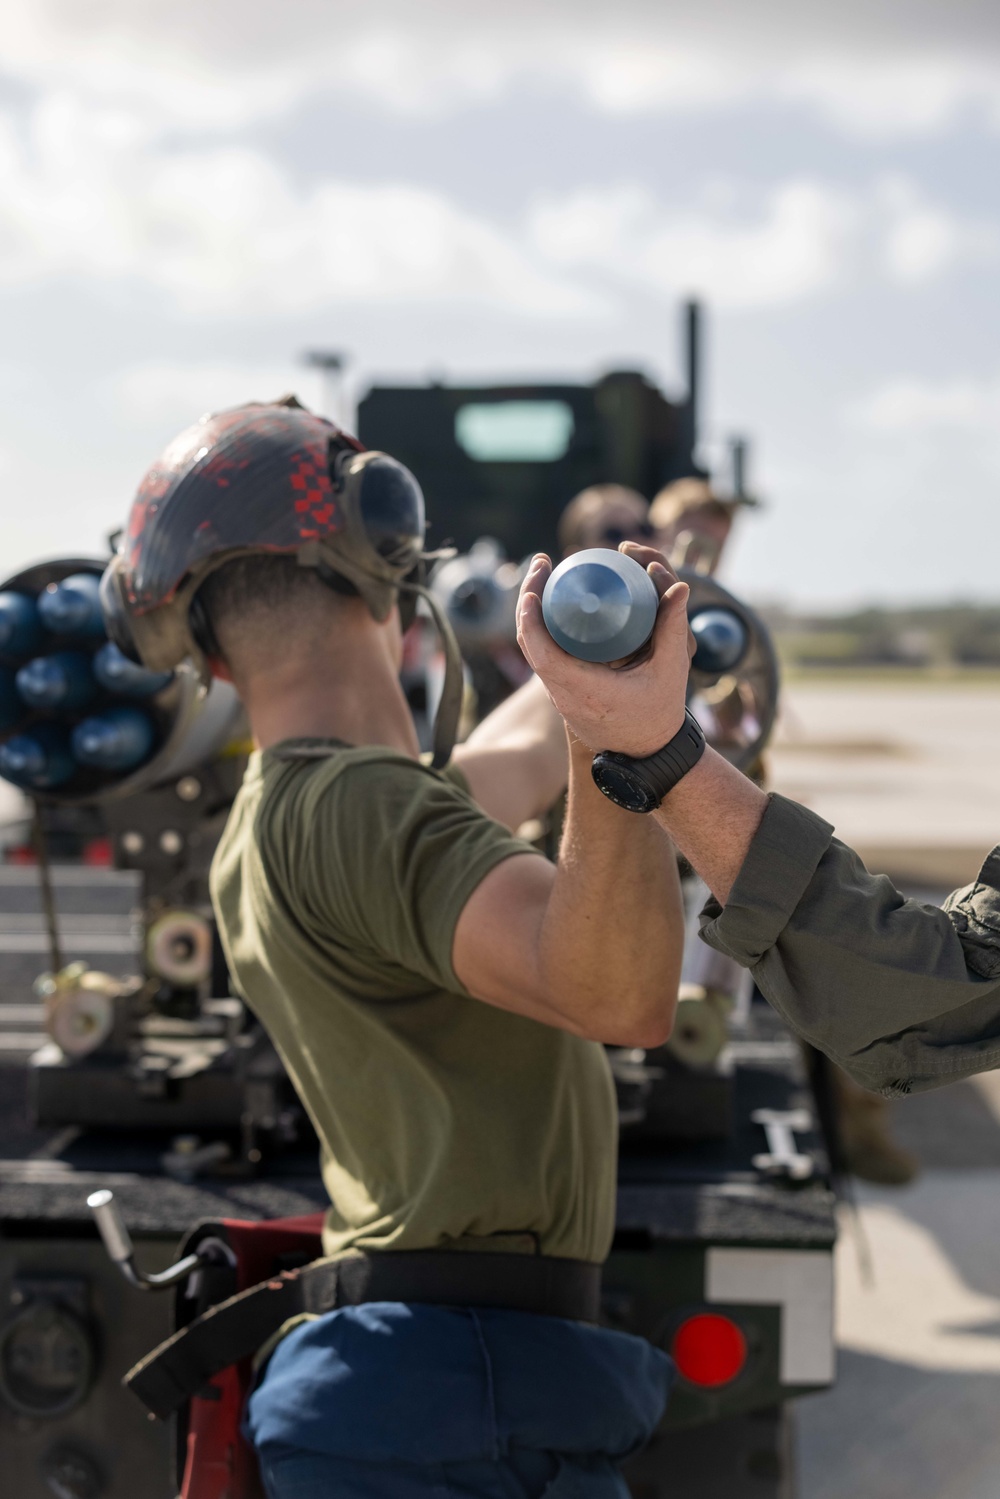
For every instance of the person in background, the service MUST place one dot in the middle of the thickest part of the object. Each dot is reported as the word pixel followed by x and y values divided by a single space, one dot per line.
pixel 604 515
pixel 692 523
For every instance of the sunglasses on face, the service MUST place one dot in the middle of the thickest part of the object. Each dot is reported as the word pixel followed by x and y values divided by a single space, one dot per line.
pixel 613 536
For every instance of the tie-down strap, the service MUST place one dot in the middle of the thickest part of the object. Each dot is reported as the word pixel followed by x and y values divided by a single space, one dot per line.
pixel 234 1329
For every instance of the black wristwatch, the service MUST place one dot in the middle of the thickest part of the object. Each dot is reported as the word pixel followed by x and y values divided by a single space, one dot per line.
pixel 641 785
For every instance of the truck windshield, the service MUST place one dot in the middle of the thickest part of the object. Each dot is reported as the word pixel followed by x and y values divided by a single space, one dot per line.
pixel 514 431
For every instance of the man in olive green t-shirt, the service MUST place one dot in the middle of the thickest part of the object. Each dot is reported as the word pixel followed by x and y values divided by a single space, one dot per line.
pixel 438 990
pixel 338 883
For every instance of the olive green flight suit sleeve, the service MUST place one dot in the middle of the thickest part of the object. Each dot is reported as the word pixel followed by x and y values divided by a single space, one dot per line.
pixel 904 996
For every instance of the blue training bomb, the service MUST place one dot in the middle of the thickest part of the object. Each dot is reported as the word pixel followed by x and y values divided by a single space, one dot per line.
pixel 20 627
pixel 38 760
pixel 600 605
pixel 11 703
pixel 73 607
pixel 721 640
pixel 119 739
pixel 57 683
pixel 116 673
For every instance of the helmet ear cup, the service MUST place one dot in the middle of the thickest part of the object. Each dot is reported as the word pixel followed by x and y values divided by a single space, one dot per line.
pixel 115 610
pixel 201 629
pixel 389 504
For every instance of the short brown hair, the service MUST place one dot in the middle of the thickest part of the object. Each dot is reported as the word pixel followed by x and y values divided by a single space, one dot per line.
pixel 585 507
pixel 687 497
pixel 253 594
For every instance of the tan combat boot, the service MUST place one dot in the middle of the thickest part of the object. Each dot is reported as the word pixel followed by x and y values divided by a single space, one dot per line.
pixel 869 1150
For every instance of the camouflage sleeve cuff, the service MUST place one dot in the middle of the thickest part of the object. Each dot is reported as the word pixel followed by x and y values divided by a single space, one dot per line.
pixel 974 912
pixel 778 869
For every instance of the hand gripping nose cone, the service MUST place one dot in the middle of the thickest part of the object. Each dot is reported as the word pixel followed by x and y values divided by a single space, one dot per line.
pixel 599 605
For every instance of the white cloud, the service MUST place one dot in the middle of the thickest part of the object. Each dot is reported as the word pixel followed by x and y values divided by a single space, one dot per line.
pixel 741 249
pixel 866 67
pixel 96 192
pixel 223 229
pixel 896 93
pixel 900 94
pixel 642 76
pixel 927 406
pixel 156 60
pixel 799 241
pixel 923 239
pixel 172 393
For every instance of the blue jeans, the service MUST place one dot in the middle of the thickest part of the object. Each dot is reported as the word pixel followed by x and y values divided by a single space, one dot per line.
pixel 390 1401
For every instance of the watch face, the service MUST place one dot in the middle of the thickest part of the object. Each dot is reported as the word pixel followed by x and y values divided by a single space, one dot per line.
pixel 622 785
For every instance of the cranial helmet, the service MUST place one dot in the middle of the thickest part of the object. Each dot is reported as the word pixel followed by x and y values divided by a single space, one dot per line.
pixel 269 478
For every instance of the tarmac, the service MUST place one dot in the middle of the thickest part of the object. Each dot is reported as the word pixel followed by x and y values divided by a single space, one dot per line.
pixel 905 770
pixel 914 1411
pixel 907 775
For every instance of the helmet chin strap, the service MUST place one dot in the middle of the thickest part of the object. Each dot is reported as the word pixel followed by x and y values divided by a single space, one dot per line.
pixel 450 703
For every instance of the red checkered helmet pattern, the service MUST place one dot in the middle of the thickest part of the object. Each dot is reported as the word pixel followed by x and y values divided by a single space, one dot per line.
pixel 255 477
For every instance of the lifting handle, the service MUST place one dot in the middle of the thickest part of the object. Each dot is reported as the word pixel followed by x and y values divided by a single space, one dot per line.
pixel 118 1243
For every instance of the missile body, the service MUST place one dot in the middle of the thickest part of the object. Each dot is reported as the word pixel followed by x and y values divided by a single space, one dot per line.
pixel 119 739
pixel 73 607
pixel 21 629
pixel 721 640
pixel 57 683
pixel 11 705
pixel 37 760
pixel 117 674
pixel 599 605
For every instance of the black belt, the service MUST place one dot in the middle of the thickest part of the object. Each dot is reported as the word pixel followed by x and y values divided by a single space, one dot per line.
pixel 233 1330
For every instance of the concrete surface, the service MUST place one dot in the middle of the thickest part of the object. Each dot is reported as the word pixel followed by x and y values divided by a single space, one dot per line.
pixel 906 772
pixel 915 1412
pixel 907 775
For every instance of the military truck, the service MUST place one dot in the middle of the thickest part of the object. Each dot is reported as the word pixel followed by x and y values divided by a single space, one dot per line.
pixel 154 1082
pixel 503 460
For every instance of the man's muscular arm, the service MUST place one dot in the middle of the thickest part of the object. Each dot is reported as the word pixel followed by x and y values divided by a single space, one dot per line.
pixel 515 760
pixel 594 944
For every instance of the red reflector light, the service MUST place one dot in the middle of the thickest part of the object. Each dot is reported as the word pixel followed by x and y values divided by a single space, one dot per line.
pixel 709 1350
pixel 98 853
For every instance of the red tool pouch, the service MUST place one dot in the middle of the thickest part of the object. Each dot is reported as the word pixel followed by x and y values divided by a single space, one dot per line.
pixel 214 1461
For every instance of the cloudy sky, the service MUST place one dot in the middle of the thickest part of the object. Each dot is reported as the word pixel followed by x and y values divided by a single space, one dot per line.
pixel 192 193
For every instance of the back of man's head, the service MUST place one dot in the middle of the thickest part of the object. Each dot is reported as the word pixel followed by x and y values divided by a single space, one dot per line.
pixel 261 610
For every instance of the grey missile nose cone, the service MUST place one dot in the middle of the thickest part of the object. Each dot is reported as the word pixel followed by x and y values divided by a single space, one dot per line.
pixel 599 605
pixel 721 640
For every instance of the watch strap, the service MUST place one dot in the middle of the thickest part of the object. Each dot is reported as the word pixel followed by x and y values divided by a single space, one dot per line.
pixel 659 772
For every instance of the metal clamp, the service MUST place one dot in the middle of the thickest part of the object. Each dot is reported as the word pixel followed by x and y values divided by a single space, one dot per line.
pixel 118 1243
pixel 781 1157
